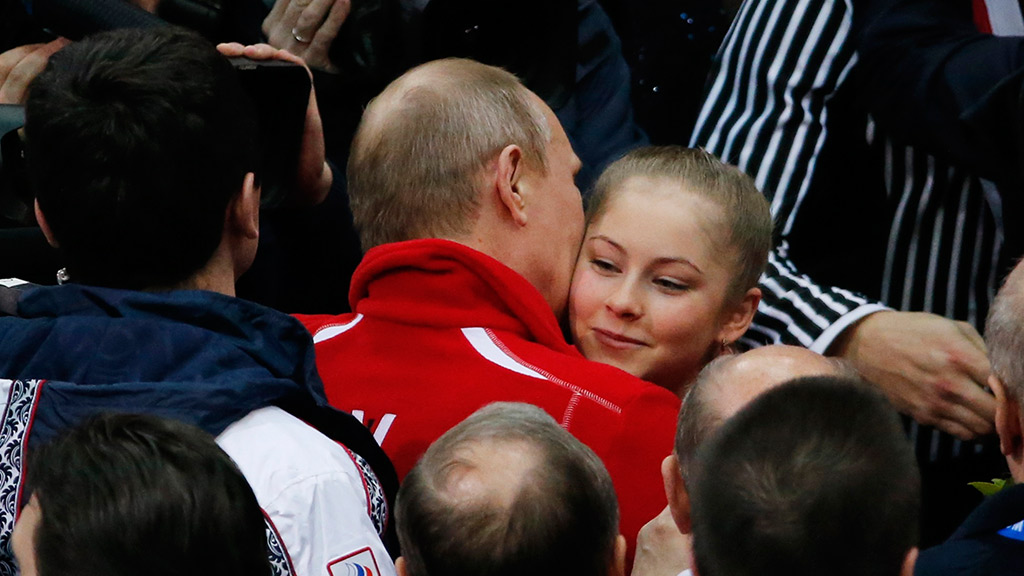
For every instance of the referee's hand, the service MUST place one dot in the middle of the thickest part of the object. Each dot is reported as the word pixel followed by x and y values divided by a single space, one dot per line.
pixel 932 368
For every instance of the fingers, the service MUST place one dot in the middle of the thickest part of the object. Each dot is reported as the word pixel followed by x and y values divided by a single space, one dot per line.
pixel 959 420
pixel 972 404
pixel 257 52
pixel 954 402
pixel 231 49
pixel 311 16
pixel 274 17
pixel 954 428
pixel 307 28
pixel 18 67
pixel 966 424
pixel 328 31
pixel 282 30
pixel 265 52
pixel 289 57
pixel 967 357
pixel 971 335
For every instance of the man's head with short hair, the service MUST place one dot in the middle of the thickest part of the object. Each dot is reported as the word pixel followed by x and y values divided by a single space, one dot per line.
pixel 137 142
pixel 1004 337
pixel 815 476
pixel 462 151
pixel 731 382
pixel 508 492
pixel 122 495
pixel 724 387
pixel 414 171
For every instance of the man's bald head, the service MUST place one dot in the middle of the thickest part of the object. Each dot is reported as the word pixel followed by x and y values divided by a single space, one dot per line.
pixel 729 383
pixel 423 143
pixel 507 492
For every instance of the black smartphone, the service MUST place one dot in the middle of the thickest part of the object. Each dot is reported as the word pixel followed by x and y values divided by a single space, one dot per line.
pixel 15 194
pixel 280 92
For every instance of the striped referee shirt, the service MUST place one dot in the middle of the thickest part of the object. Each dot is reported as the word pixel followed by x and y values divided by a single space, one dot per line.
pixel 770 106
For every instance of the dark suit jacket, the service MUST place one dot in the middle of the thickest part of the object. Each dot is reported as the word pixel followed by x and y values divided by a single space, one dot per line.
pixel 977 548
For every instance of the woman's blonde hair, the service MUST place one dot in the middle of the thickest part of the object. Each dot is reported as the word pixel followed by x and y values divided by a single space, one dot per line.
pixel 746 212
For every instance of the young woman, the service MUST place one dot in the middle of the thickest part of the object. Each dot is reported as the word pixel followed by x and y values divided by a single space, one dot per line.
pixel 667 276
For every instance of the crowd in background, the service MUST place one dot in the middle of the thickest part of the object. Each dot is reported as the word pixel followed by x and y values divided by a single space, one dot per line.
pixel 700 254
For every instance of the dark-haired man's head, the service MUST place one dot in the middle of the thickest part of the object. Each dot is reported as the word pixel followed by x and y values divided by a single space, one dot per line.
pixel 813 477
pixel 141 147
pixel 123 495
pixel 508 492
pixel 722 388
pixel 1004 337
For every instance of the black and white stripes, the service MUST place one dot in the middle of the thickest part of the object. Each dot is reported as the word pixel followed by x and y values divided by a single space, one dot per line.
pixel 769 109
pixel 766 111
pixel 945 246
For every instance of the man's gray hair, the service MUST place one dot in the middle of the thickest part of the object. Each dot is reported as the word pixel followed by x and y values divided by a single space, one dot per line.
pixel 418 155
pixel 562 518
pixel 1004 334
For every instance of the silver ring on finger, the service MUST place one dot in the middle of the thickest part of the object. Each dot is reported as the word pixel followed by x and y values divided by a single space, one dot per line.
pixel 299 37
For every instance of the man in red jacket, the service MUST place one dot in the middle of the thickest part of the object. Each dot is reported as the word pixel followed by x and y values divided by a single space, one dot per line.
pixel 461 184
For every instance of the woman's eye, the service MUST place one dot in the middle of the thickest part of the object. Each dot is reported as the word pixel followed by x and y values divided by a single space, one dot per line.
pixel 671 285
pixel 604 265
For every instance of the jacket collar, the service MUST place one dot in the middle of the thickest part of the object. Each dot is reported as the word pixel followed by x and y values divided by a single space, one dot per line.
pixel 445 284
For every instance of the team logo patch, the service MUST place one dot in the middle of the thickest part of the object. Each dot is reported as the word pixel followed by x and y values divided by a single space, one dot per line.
pixel 358 563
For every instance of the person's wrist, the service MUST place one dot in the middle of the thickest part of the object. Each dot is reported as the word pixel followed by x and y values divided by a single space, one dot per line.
pixel 847 342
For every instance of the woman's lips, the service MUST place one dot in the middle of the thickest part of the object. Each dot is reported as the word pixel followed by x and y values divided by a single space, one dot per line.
pixel 616 340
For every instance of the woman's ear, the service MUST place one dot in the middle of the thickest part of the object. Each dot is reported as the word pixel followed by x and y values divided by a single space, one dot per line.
pixel 737 317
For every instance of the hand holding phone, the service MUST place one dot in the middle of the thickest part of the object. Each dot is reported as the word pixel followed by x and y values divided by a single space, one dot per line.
pixel 281 86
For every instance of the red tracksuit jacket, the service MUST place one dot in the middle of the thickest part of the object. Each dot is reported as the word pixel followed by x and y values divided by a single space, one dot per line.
pixel 440 330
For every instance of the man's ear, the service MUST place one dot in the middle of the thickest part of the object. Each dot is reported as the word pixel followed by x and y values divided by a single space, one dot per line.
pixel 243 212
pixel 1008 424
pixel 508 180
pixel 45 226
pixel 676 493
pixel 908 562
pixel 739 316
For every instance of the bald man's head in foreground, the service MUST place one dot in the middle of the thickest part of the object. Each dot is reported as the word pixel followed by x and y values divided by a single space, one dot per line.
pixel 724 387
pixel 508 492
